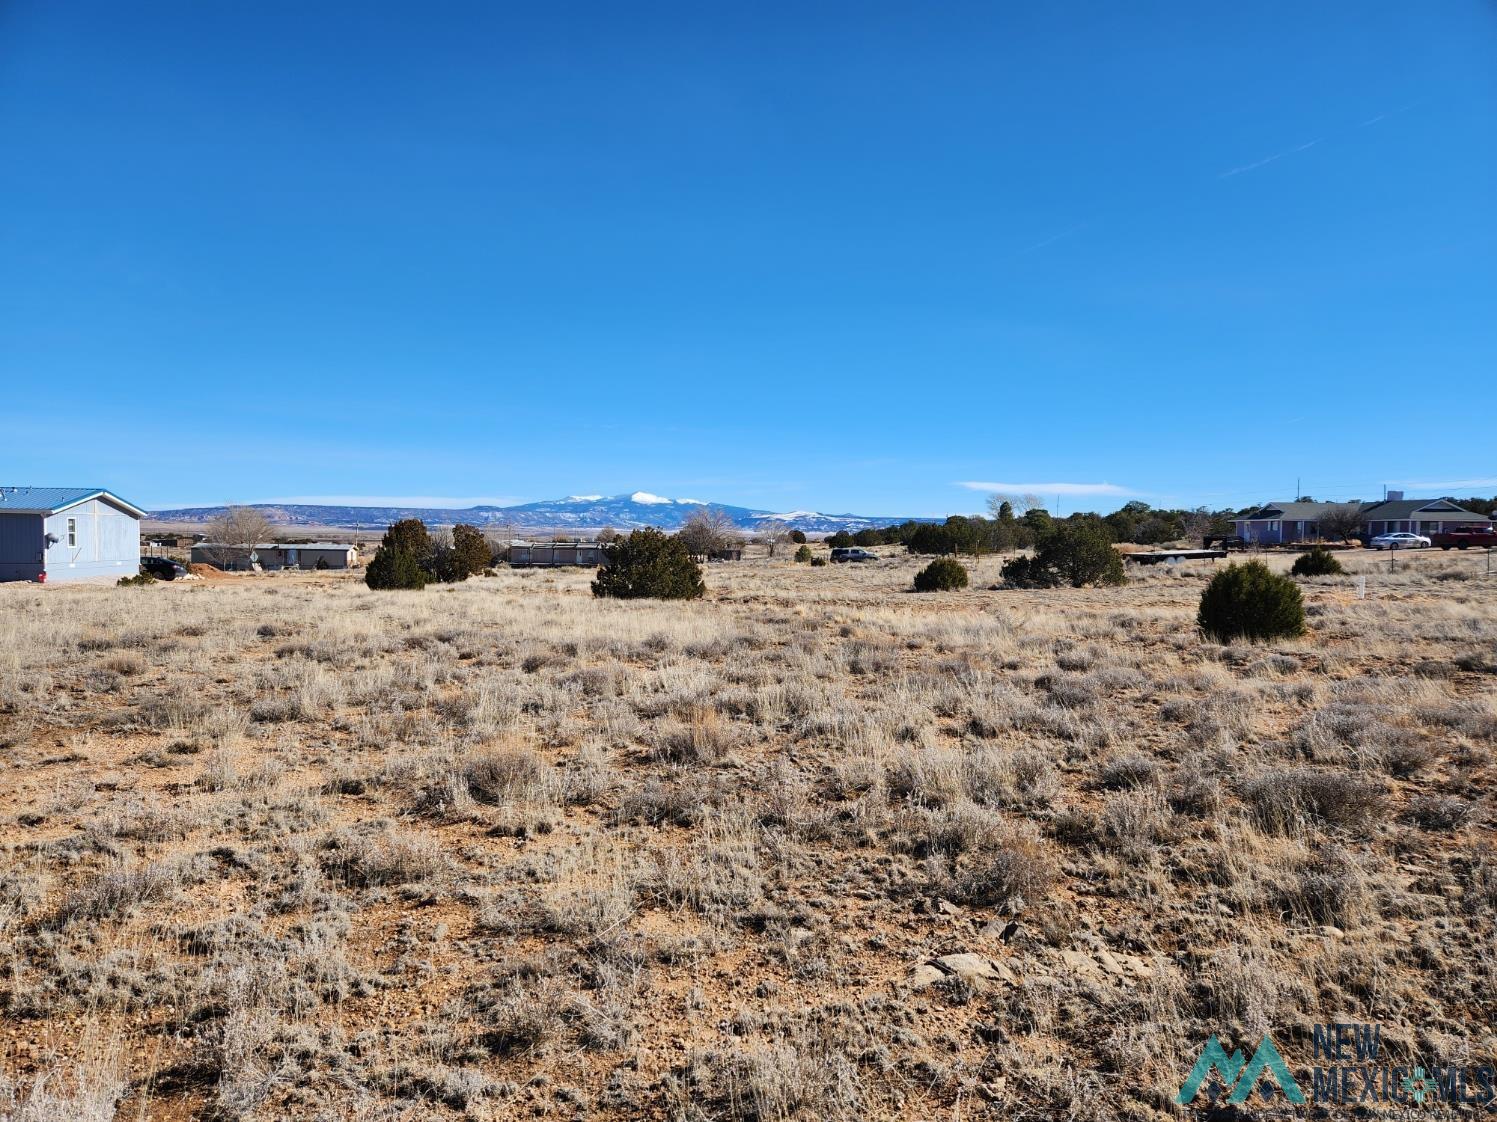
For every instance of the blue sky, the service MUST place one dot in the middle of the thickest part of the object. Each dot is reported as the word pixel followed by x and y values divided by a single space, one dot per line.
pixel 837 256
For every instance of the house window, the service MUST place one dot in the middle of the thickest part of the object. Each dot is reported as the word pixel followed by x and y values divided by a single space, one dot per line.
pixel 72 533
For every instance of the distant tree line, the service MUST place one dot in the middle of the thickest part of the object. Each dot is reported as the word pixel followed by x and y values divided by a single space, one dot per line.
pixel 1005 531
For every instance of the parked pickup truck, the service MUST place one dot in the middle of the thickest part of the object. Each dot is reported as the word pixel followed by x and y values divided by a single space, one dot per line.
pixel 1479 536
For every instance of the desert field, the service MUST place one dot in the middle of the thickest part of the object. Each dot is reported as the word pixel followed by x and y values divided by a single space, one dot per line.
pixel 276 846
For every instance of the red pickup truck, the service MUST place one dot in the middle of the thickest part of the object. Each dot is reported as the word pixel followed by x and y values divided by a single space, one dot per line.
pixel 1479 536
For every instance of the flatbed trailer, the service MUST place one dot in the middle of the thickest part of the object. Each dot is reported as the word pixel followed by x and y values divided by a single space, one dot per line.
pixel 1154 557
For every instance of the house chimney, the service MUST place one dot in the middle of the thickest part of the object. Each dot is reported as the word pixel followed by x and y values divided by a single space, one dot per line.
pixel 1395 496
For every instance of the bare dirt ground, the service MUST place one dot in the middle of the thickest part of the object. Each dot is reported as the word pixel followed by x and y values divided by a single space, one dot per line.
pixel 276 846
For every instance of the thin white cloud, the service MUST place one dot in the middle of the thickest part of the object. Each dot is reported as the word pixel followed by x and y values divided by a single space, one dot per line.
pixel 1048 488
pixel 1447 484
pixel 1269 159
pixel 445 501
pixel 1053 238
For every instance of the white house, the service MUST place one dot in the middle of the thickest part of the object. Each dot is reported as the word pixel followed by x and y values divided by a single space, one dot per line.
pixel 67 534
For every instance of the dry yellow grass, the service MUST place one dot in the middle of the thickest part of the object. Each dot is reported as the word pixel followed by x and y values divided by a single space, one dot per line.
pixel 280 847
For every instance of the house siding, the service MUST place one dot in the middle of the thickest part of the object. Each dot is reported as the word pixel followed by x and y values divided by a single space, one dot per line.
pixel 550 555
pixel 273 557
pixel 106 543
pixel 1261 531
pixel 21 551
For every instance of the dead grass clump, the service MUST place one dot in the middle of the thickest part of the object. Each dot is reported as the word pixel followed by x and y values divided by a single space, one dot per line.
pixel 459 1088
pixel 1442 812
pixel 953 830
pixel 1297 799
pixel 1016 867
pixel 116 892
pixel 1476 719
pixel 276 710
pixel 1134 822
pixel 1124 772
pixel 1481 891
pixel 1194 792
pixel 719 875
pixel 74 1094
pixel 1404 758
pixel 1241 988
pixel 683 801
pixel 1069 691
pixel 1023 778
pixel 701 739
pixel 518 1019
pixel 369 861
pixel 801 1074
pixel 1329 888
pixel 505 777
pixel 1368 730
pixel 928 777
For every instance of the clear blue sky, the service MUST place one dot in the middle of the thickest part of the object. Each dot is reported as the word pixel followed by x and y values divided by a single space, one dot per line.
pixel 842 256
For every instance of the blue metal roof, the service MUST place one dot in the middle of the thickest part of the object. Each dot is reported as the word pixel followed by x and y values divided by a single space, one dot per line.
pixel 49 500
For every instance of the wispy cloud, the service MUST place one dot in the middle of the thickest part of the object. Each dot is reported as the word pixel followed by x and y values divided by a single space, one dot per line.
pixel 1389 113
pixel 1053 238
pixel 1446 484
pixel 1256 164
pixel 1048 488
pixel 444 501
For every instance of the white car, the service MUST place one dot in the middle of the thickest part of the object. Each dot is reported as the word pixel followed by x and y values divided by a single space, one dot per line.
pixel 1399 541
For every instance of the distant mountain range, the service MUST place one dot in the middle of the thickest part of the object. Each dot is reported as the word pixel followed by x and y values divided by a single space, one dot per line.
pixel 575 512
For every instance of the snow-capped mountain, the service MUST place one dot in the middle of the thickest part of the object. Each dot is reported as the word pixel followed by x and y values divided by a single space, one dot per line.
pixel 575 512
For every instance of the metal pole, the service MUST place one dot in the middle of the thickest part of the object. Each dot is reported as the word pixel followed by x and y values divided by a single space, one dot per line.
pixel 1392 549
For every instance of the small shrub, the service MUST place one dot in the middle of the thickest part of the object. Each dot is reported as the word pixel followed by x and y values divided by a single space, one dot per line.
pixel 817 562
pixel 1251 602
pixel 1018 867
pixel 803 554
pixel 471 551
pixel 1026 572
pixel 649 565
pixel 944 574
pixel 1319 562
pixel 1329 888
pixel 368 862
pixel 502 777
pixel 115 893
pixel 798 537
pixel 1073 553
pixel 1284 801
pixel 1123 772
pixel 136 581
pixel 393 569
pixel 408 536
pixel 1442 812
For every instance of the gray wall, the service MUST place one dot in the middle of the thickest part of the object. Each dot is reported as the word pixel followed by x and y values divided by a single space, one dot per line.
pixel 20 546
pixel 272 557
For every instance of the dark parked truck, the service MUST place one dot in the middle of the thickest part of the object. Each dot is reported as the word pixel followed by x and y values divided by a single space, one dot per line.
pixel 1480 536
